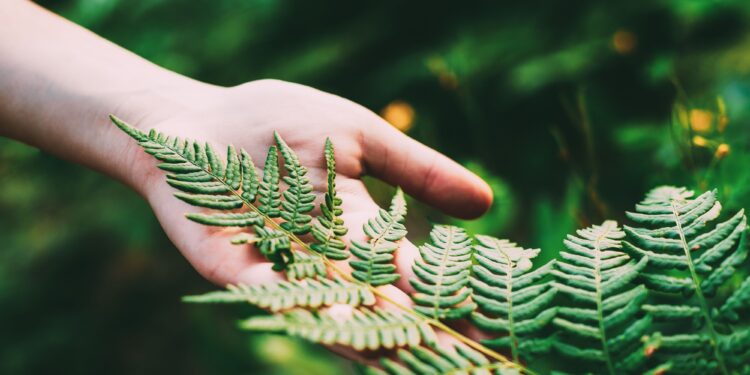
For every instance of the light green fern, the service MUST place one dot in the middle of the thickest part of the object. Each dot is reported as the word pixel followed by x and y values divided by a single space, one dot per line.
pixel 690 255
pixel 285 295
pixel 512 299
pixel 374 257
pixel 437 360
pixel 306 266
pixel 329 228
pixel 443 273
pixel 298 197
pixel 601 321
pixel 361 329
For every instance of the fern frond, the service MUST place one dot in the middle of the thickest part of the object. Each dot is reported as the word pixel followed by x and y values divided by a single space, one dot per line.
pixel 268 189
pixel 298 197
pixel 374 257
pixel 511 298
pixel 739 300
pixel 306 266
pixel 285 295
pixel 442 274
pixel 398 209
pixel 437 360
pixel 329 228
pixel 677 230
pixel 597 324
pixel 364 329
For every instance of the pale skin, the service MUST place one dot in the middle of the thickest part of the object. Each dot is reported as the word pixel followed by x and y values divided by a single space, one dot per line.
pixel 59 82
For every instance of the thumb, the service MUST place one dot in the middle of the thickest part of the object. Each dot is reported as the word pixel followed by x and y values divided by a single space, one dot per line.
pixel 423 172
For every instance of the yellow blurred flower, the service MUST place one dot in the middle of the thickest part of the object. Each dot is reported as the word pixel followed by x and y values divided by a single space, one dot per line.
pixel 400 114
pixel 700 120
pixel 624 41
pixel 723 122
pixel 700 141
pixel 722 151
pixel 682 115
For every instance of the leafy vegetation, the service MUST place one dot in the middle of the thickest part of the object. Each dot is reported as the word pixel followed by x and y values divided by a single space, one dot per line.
pixel 600 303
pixel 485 89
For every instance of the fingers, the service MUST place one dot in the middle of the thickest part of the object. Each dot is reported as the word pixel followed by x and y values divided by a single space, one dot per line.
pixel 424 173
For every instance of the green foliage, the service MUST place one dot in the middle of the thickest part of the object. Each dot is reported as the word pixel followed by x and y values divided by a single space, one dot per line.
pixel 442 274
pixel 357 328
pixel 374 257
pixel 298 197
pixel 601 318
pixel 306 266
pixel 329 228
pixel 268 188
pixel 284 295
pixel 511 298
pixel 678 232
pixel 601 321
pixel 436 360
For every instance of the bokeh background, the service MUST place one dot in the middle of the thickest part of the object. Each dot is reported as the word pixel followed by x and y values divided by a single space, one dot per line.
pixel 570 109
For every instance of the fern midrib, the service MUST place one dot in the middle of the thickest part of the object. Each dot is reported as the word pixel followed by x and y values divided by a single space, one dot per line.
pixel 439 284
pixel 699 293
pixel 599 299
pixel 331 265
pixel 511 321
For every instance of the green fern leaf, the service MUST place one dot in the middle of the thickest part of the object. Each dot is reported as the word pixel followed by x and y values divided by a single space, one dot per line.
pixel 437 360
pixel 739 300
pixel 511 298
pixel 677 230
pixel 275 246
pixel 285 295
pixel 268 189
pixel 329 228
pixel 365 329
pixel 597 324
pixel 397 210
pixel 298 198
pixel 205 181
pixel 249 177
pixel 442 274
pixel 306 266
pixel 374 257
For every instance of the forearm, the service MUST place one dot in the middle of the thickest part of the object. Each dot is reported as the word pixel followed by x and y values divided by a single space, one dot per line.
pixel 58 83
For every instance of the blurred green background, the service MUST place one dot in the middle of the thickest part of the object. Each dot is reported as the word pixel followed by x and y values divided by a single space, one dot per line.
pixel 570 109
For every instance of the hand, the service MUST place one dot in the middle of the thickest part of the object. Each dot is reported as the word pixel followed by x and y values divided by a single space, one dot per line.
pixel 246 117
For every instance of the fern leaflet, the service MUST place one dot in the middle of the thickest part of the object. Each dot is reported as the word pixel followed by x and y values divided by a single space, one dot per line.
pixel 364 329
pixel 306 266
pixel 443 273
pixel 298 196
pixel 329 228
pixel 437 360
pixel 511 298
pixel 601 321
pixel 285 295
pixel 676 230
pixel 373 264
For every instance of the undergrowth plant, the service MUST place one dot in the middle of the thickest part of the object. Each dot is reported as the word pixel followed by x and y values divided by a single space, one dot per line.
pixel 657 295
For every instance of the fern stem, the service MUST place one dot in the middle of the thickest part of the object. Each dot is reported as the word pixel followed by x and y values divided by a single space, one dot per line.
pixel 332 266
pixel 699 293
pixel 599 308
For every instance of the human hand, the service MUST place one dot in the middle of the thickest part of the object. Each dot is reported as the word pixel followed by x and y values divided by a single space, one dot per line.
pixel 246 117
